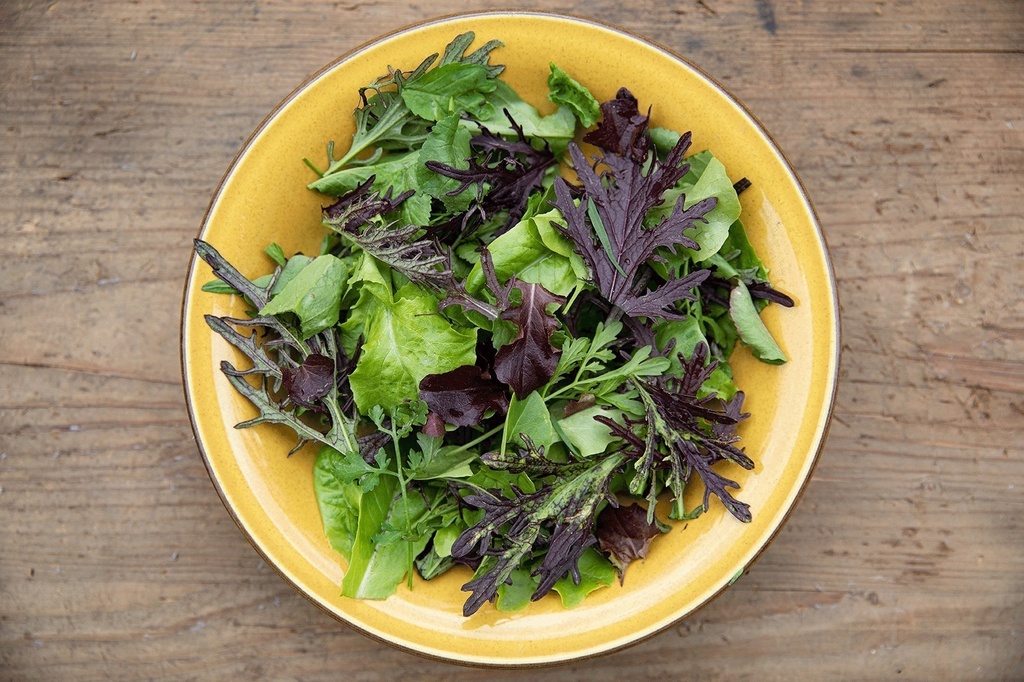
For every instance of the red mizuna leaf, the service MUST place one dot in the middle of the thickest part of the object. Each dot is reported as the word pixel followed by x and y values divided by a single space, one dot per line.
pixel 614 204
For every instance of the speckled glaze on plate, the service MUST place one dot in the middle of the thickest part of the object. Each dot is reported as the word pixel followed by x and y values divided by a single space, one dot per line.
pixel 263 198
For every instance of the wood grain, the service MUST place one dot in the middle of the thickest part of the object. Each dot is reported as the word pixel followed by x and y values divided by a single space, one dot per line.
pixel 904 560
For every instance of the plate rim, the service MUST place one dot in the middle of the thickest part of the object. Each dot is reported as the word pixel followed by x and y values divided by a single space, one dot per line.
pixel 835 356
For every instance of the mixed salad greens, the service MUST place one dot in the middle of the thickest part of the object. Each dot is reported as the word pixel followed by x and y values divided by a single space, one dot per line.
pixel 503 368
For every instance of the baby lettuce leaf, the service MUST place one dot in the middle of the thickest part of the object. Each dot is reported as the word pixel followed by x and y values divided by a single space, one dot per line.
pixel 713 182
pixel 625 533
pixel 405 340
pixel 515 594
pixel 533 251
pixel 595 572
pixel 376 568
pixel 663 140
pixel 314 295
pixel 528 422
pixel 682 336
pixel 339 502
pixel 464 395
pixel 750 327
pixel 566 92
pixel 529 361
pixel 586 435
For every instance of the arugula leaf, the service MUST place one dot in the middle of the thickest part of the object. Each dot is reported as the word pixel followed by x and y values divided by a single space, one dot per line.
pixel 455 53
pixel 226 273
pixel 450 89
pixel 446 463
pixel 405 340
pixel 387 122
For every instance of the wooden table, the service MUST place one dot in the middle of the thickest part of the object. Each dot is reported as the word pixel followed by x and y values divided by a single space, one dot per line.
pixel 905 558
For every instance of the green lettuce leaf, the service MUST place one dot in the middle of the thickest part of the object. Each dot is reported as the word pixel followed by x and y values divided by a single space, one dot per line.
pixel 556 129
pixel 532 418
pixel 376 568
pixel 405 340
pixel 515 595
pixel 750 327
pixel 535 252
pixel 586 435
pixel 566 92
pixel 595 572
pixel 339 502
pixel 314 295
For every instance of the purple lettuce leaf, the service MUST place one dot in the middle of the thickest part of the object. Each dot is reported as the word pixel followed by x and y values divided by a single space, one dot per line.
pixel 529 361
pixel 462 396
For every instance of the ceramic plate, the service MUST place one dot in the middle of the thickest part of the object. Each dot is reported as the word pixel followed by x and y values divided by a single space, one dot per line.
pixel 263 198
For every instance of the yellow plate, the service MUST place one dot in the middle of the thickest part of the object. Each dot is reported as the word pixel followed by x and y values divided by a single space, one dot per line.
pixel 263 199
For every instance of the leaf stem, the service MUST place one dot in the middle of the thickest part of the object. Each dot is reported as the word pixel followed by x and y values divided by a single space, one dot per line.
pixel 407 530
pixel 480 439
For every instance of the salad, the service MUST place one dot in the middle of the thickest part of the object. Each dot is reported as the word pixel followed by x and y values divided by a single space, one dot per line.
pixel 508 349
